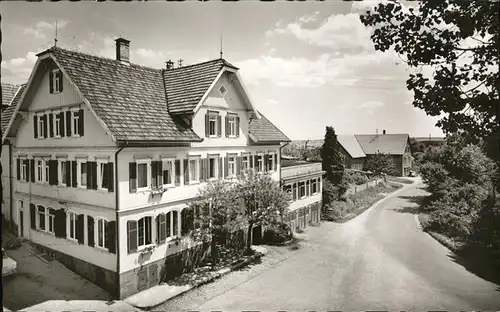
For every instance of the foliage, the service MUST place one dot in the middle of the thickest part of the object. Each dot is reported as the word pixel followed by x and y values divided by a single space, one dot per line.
pixel 380 163
pixel 278 233
pixel 459 40
pixel 332 158
pixel 329 193
pixel 355 177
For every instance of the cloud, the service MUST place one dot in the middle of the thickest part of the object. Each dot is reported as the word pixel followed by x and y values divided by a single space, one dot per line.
pixel 370 105
pixel 149 54
pixel 40 29
pixel 17 70
pixel 272 101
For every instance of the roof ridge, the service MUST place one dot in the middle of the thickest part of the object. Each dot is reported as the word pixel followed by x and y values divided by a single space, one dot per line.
pixel 195 64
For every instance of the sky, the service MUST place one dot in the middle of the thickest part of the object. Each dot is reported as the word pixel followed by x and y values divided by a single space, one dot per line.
pixel 307 65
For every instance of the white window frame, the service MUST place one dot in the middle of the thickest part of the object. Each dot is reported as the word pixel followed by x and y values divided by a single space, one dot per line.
pixel 74 123
pixel 270 160
pixel 46 171
pixel 245 161
pixel 50 223
pixel 96 233
pixel 68 225
pixel 315 183
pixel 152 231
pixel 196 171
pixel 172 235
pixel 40 126
pixel 55 81
pixel 23 174
pixel 146 162
pixel 39 216
pixel 165 163
pixel 232 125
pixel 215 158
pixel 260 160
pixel 39 178
pixel 212 117
pixel 299 187
pixel 99 174
pixel 231 164
pixel 79 172
pixel 56 124
pixel 62 161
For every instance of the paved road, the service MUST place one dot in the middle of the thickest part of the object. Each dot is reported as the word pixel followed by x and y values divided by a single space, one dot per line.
pixel 379 261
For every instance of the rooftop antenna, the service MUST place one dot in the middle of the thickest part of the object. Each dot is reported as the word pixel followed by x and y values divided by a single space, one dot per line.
pixel 221 53
pixel 55 38
pixel 180 62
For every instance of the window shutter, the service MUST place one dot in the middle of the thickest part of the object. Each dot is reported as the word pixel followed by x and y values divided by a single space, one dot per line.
pixel 159 173
pixel 27 163
pixel 226 126
pixel 68 123
pixel 35 126
pixel 202 169
pixel 226 166
pixel 237 126
pixel 45 126
pixel 60 77
pixel 294 191
pixel 154 178
pixel 60 223
pixel 90 231
pixel 308 184
pixel 238 165
pixel 51 82
pixel 132 181
pixel 94 174
pixel 207 125
pixel 32 170
pixel 186 172
pixel 111 236
pixel 61 123
pixel 132 236
pixel 160 227
pixel 255 162
pixel 177 165
pixel 33 216
pixel 111 177
pixel 220 167
pixel 219 126
pixel 266 162
pixel 276 161
pixel 73 173
pixel 51 125
pixel 80 122
pixel 53 174
pixel 250 160
pixel 79 229
pixel 89 175
pixel 105 178
pixel 206 168
pixel 18 165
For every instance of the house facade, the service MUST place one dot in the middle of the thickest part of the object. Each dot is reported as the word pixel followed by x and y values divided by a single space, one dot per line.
pixel 107 155
pixel 352 153
pixel 304 181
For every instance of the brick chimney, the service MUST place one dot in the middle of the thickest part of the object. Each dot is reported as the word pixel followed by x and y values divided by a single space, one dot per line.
pixel 122 50
pixel 169 64
pixel 383 131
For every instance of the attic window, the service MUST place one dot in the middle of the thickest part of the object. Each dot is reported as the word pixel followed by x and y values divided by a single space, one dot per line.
pixel 55 81
pixel 223 90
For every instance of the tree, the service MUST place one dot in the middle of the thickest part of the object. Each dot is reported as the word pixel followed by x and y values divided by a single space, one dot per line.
pixel 264 200
pixel 217 214
pixel 331 157
pixel 459 40
pixel 380 163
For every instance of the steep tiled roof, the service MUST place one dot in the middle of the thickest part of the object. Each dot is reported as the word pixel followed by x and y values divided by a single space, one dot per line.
pixel 129 99
pixel 262 130
pixel 7 114
pixel 185 86
pixel 351 145
pixel 8 92
pixel 384 143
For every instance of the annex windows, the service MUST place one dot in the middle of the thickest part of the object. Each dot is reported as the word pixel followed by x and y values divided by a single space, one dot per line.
pixel 59 123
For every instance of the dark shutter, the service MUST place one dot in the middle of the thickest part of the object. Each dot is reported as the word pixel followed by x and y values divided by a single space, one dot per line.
pixel 79 231
pixel 51 125
pixel 18 166
pixel 276 162
pixel 89 175
pixel 250 162
pixel 27 164
pixel 68 123
pixel 90 231
pixel 154 178
pixel 238 126
pixel 68 173
pixel 256 162
pixel 60 223
pixel 159 173
pixel 219 125
pixel 105 178
pixel 238 164
pixel 94 174
pixel 294 191
pixel 111 236
pixel 60 77
pixel 45 126
pixel 32 170
pixel 308 184
pixel 266 162
pixel 33 216
pixel 80 122
pixel 61 123
pixel 132 236
pixel 186 172
pixel 35 128
pixel 177 165
pixel 53 172
pixel 160 228
pixel 226 126
pixel 201 165
pixel 73 174
pixel 51 82
pixel 220 167
pixel 226 166
pixel 132 181
pixel 111 177
pixel 207 125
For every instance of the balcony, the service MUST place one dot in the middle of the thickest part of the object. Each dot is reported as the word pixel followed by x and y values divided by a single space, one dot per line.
pixel 300 169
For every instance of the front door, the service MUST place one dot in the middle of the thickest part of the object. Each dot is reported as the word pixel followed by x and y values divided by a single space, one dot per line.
pixel 21 224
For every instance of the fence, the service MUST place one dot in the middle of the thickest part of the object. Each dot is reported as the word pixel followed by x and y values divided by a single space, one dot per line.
pixel 357 188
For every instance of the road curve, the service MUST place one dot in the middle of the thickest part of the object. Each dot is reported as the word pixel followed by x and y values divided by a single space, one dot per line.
pixel 380 260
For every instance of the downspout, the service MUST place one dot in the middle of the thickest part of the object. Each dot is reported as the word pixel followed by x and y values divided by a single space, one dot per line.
pixel 11 192
pixel 117 208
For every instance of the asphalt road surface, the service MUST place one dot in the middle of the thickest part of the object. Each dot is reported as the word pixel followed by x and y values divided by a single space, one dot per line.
pixel 380 260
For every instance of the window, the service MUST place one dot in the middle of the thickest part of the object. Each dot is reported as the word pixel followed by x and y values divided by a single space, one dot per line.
pixel 20 204
pixel 46 171
pixel 143 175
pixel 212 125
pixel 63 173
pixel 57 124
pixel 144 233
pixel 41 217
pixel 82 172
pixel 314 186
pixel 213 167
pixel 260 163
pixel 168 172
pixel 194 171
pixel 41 126
pixel 231 123
pixel 245 162
pixel 51 217
pixel 56 81
pixel 102 176
pixel 222 90
pixel 101 232
pixel 302 189
pixel 231 165
pixel 72 225
pixel 39 170
pixel 23 169
pixel 270 162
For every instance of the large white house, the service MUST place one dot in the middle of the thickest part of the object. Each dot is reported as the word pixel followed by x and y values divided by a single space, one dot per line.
pixel 103 157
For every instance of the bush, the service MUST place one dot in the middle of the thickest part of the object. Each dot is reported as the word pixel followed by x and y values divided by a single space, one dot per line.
pixel 354 177
pixel 278 233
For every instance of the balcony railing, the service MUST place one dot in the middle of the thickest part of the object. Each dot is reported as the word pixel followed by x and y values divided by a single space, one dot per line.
pixel 289 172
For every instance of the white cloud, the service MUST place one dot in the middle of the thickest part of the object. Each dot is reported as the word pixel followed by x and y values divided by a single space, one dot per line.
pixel 17 70
pixel 272 101
pixel 149 54
pixel 40 29
pixel 370 105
